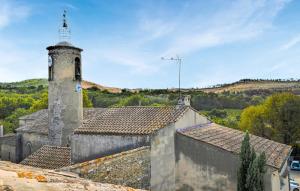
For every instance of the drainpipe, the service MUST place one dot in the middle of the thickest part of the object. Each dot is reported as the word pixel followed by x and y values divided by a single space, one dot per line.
pixel 1 130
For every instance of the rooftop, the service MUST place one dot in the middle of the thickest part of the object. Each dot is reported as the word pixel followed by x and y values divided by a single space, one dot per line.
pixel 49 157
pixel 26 178
pixel 38 122
pixel 231 140
pixel 131 120
pixel 123 120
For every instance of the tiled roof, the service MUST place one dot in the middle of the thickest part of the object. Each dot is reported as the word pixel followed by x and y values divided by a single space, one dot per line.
pixel 131 120
pixel 49 157
pixel 123 120
pixel 38 122
pixel 231 140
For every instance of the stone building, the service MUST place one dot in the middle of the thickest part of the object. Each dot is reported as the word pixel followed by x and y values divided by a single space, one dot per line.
pixel 207 158
pixel 106 131
pixel 8 147
pixel 160 138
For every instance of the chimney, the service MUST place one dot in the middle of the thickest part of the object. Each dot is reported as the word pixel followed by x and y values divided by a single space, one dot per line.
pixel 1 130
pixel 184 101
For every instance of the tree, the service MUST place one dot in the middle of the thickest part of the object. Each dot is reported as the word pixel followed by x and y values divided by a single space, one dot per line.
pixel 253 120
pixel 252 168
pixel 85 99
pixel 41 103
pixel 277 118
pixel 255 176
pixel 134 100
pixel 262 170
pixel 245 160
pixel 11 122
pixel 252 182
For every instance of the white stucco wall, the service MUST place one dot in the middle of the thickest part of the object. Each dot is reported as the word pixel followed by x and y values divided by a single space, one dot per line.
pixel 190 118
pixel 163 160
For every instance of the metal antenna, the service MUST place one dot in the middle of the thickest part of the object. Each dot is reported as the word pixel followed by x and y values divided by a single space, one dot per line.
pixel 178 60
pixel 64 30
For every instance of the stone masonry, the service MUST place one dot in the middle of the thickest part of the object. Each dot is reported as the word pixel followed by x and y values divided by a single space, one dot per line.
pixel 130 168
pixel 65 96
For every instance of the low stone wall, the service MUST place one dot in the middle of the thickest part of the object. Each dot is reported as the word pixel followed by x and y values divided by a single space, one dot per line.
pixel 130 168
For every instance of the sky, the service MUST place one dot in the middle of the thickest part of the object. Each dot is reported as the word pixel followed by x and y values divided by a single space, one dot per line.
pixel 219 41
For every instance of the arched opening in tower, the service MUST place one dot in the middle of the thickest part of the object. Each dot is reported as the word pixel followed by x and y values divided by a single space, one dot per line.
pixel 77 69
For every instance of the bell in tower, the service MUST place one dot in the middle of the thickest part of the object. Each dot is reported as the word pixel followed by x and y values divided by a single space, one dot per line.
pixel 64 92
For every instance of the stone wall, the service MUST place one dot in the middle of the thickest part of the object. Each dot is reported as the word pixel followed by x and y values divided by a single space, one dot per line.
pixel 64 101
pixel 129 168
pixel 163 151
pixel 8 147
pixel 203 167
pixel 30 142
pixel 88 147
pixel 163 160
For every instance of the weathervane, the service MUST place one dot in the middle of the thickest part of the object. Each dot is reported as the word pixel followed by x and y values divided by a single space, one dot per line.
pixel 178 60
pixel 64 30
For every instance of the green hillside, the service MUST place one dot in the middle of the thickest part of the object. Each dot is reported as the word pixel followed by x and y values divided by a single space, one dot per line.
pixel 25 83
pixel 223 107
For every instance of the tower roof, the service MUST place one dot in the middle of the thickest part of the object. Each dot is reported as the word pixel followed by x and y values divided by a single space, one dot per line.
pixel 63 44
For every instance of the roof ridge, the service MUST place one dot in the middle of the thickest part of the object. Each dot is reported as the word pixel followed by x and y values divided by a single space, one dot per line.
pixel 143 106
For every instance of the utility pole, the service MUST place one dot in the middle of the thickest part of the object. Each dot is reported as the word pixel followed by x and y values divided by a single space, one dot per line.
pixel 178 60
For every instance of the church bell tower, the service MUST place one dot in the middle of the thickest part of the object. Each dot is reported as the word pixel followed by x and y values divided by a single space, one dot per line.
pixel 64 91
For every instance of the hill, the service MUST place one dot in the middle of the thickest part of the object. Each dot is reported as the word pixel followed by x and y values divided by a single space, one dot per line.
pixel 256 85
pixel 244 85
pixel 91 85
pixel 42 83
pixel 24 83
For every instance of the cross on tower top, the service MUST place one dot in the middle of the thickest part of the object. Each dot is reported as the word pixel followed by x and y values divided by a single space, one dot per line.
pixel 64 30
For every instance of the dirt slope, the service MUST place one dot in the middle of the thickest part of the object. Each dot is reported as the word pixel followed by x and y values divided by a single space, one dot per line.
pixel 256 85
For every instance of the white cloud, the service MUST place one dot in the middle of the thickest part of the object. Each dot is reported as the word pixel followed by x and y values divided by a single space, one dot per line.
pixel 11 11
pixel 160 31
pixel 291 43
pixel 186 30
pixel 241 20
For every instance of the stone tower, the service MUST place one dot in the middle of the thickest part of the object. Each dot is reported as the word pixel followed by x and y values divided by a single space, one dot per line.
pixel 64 92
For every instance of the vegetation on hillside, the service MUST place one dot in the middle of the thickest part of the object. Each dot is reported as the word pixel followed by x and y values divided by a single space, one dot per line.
pixel 225 117
pixel 272 117
pixel 277 118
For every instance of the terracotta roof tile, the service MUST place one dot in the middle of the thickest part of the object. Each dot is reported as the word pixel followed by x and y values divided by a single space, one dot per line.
pixel 123 120
pixel 131 120
pixel 231 140
pixel 49 157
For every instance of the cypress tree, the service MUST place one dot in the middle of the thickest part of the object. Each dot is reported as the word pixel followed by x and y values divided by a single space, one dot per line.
pixel 262 171
pixel 245 160
pixel 252 168
pixel 253 176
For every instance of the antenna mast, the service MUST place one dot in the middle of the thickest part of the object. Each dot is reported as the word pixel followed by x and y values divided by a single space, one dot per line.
pixel 178 60
pixel 64 30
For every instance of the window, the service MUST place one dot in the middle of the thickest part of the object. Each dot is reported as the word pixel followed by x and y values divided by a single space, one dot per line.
pixel 50 69
pixel 28 149
pixel 77 69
